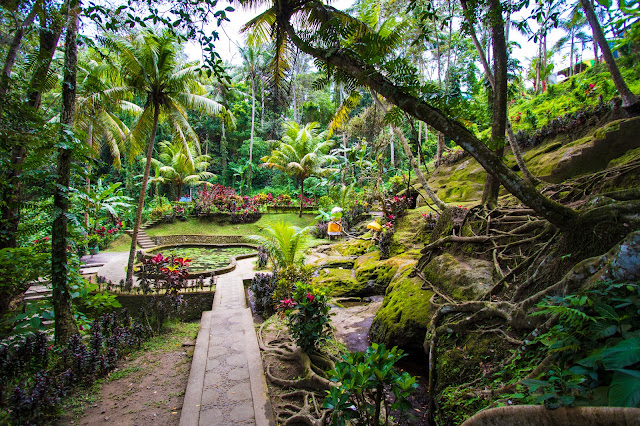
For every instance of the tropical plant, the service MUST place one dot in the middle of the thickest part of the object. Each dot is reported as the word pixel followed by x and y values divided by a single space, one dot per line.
pixel 284 243
pixel 174 166
pixel 152 68
pixel 307 314
pixel 362 380
pixel 302 153
pixel 103 200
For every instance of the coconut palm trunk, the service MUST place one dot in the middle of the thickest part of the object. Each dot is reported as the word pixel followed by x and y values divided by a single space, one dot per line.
pixel 301 195
pixel 143 192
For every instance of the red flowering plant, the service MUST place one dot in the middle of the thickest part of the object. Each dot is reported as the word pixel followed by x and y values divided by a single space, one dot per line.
pixel 430 219
pixel 160 273
pixel 307 313
pixel 397 206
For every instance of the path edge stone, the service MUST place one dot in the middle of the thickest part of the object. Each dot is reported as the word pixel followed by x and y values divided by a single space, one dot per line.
pixel 263 413
pixel 193 395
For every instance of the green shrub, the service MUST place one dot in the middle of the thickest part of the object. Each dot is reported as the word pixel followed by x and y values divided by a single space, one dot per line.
pixel 308 316
pixel 363 378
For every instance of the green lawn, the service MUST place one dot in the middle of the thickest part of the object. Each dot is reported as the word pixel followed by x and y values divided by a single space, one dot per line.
pixel 194 226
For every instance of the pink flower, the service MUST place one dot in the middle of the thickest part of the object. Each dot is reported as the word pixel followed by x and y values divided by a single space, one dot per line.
pixel 310 297
pixel 35 241
pixel 46 238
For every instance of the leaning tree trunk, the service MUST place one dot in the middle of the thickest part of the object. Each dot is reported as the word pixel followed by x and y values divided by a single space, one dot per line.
pixel 12 53
pixel 65 324
pixel 367 75
pixel 143 193
pixel 407 150
pixel 629 100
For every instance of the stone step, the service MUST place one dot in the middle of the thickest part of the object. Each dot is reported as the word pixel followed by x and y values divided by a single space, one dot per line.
pixel 91 265
pixel 34 297
pixel 89 271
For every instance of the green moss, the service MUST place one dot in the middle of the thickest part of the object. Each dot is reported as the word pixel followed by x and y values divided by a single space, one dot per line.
pixel 461 279
pixel 631 155
pixel 333 262
pixel 353 247
pixel 370 269
pixel 339 282
pixel 405 313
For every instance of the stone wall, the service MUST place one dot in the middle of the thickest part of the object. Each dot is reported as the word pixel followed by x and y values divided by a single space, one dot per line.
pixel 196 303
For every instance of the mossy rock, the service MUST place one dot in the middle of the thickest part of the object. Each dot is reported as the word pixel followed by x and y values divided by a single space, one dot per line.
pixel 405 314
pixel 379 273
pixel 341 282
pixel 627 157
pixel 461 279
pixel 344 262
pixel 458 356
pixel 410 228
pixel 353 247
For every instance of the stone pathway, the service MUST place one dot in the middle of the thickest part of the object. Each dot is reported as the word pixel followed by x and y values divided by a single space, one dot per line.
pixel 226 383
pixel 113 264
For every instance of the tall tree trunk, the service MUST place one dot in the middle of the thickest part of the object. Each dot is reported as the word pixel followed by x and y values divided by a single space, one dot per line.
pixel 253 122
pixel 440 147
pixel 223 152
pixel 301 195
pixel 515 148
pixel 499 110
pixel 65 324
pixel 262 105
pixel 12 53
pixel 88 180
pixel 143 193
pixel 629 100
pixel 571 64
pixel 392 150
pixel 12 174
pixel 367 75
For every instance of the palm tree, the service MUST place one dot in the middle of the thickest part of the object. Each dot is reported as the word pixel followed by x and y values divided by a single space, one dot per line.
pixel 151 67
pixel 302 153
pixel 174 166
pixel 251 65
pixel 283 243
pixel 99 98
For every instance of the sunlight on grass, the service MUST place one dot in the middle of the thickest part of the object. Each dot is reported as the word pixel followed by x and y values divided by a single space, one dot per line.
pixel 195 226
pixel 120 244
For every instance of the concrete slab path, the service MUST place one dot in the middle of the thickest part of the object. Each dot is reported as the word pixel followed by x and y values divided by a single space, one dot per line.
pixel 113 264
pixel 226 383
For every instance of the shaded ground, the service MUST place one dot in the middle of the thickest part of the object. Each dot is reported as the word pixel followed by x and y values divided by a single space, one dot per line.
pixel 147 388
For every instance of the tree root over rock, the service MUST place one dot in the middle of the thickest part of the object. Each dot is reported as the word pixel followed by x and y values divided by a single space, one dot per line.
pixel 620 263
pixel 300 406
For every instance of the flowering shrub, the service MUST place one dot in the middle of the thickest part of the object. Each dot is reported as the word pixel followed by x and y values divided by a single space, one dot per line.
pixel 307 314
pixel 320 230
pixel 282 200
pixel 355 213
pixel 222 199
pixel 306 202
pixel 397 206
pixel 162 278
pixel 102 236
pixel 386 237
pixel 430 219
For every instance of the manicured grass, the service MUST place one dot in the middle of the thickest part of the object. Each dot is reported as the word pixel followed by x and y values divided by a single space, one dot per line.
pixel 195 226
pixel 120 244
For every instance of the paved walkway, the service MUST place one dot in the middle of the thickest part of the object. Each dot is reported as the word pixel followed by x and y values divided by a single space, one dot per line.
pixel 227 384
pixel 113 264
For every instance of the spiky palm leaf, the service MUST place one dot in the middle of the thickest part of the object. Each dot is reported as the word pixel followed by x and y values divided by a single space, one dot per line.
pixel 284 242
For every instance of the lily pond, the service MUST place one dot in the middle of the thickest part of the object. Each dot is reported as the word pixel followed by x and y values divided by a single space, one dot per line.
pixel 205 258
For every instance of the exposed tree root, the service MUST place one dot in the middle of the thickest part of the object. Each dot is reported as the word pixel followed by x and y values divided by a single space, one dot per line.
pixel 301 405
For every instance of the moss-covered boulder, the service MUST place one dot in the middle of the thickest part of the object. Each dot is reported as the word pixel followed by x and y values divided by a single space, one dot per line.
pixel 353 247
pixel 341 282
pixel 462 279
pixel 378 273
pixel 406 311
pixel 336 262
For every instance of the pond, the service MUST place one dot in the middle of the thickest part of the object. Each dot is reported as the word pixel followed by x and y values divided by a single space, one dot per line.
pixel 203 257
